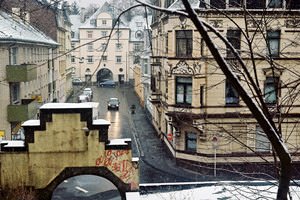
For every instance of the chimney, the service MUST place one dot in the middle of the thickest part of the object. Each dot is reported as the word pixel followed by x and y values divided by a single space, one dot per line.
pixel 82 15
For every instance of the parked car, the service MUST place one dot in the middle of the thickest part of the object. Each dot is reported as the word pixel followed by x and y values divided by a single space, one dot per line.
pixel 76 81
pixel 88 92
pixel 83 98
pixel 108 83
pixel 113 103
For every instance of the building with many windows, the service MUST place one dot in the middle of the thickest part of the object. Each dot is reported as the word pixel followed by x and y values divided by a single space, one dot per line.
pixel 52 20
pixel 196 110
pixel 26 56
pixel 103 52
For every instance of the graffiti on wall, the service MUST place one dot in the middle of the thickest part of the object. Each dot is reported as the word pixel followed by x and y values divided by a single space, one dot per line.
pixel 117 161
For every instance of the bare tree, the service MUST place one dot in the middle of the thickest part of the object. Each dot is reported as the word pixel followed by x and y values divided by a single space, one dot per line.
pixel 253 97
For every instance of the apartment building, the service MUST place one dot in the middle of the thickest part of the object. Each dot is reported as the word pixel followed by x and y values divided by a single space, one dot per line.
pixel 196 109
pixel 103 50
pixel 52 20
pixel 26 73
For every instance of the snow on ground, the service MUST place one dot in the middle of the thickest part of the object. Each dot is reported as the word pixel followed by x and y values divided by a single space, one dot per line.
pixel 222 192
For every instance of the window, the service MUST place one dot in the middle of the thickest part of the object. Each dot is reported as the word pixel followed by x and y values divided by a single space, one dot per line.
pixel 255 4
pixel 104 22
pixel 217 4
pixel 72 59
pixel 235 3
pixel 275 4
pixel 184 90
pixel 90 34
pixel 90 47
pixel 145 60
pixel 262 143
pixel 104 58
pixel 118 59
pixel 234 37
pixel 90 59
pixel 93 22
pixel 201 95
pixel 292 4
pixel 136 59
pixel 167 44
pixel 191 141
pixel 118 46
pixel 231 95
pixel 273 40
pixel 13 55
pixel 72 34
pixel 103 47
pixel 118 34
pixel 15 93
pixel 137 47
pixel 271 90
pixel 184 43
pixel 72 45
pixel 168 3
pixel 103 33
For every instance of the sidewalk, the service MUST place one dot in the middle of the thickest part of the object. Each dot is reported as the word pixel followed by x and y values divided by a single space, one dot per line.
pixel 153 153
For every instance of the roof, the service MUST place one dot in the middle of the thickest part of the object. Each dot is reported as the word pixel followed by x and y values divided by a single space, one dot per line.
pixel 177 5
pixel 105 8
pixel 16 30
pixel 64 106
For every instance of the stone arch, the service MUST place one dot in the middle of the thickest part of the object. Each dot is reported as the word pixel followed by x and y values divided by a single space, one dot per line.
pixel 104 74
pixel 68 172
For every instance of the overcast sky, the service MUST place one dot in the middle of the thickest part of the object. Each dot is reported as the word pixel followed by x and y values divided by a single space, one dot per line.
pixel 85 3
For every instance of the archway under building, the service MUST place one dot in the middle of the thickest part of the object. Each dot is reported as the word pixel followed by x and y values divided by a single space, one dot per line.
pixel 104 74
pixel 113 186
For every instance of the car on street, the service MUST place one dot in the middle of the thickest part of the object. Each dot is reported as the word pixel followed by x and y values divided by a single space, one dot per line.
pixel 108 83
pixel 83 98
pixel 76 81
pixel 113 103
pixel 88 92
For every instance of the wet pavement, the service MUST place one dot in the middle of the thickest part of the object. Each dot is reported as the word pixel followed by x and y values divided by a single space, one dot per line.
pixel 157 165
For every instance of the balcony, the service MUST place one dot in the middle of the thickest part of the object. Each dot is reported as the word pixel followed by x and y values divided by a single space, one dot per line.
pixel 22 112
pixel 155 97
pixel 21 73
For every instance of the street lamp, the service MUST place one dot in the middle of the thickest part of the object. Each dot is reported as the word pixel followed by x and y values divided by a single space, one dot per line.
pixel 215 146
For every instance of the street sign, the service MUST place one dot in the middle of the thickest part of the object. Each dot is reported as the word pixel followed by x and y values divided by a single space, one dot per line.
pixel 170 136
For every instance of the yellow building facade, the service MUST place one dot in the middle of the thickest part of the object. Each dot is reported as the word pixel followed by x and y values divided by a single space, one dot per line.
pixel 198 113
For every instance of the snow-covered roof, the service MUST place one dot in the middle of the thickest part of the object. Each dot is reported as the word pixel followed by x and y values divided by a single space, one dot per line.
pixel 105 8
pixel 101 122
pixel 177 5
pixel 16 30
pixel 65 106
pixel 32 122
pixel 13 143
pixel 119 141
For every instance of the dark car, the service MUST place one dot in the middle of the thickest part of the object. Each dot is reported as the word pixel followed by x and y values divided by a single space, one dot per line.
pixel 113 103
pixel 108 83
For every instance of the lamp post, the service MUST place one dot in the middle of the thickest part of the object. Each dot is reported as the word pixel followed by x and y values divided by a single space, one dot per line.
pixel 215 146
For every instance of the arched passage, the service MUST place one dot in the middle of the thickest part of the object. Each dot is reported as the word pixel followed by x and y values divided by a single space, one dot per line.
pixel 104 74
pixel 46 193
pixel 86 187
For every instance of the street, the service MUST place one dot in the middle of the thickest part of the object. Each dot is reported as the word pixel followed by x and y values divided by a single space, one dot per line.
pixel 156 164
